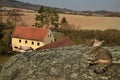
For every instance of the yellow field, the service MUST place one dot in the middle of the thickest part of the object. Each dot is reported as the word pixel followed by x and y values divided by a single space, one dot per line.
pixel 81 22
pixel 92 22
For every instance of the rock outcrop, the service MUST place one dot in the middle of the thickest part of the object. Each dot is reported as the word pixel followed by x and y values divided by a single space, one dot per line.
pixel 69 63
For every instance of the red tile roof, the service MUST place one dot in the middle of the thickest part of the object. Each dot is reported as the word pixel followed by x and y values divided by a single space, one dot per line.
pixel 30 33
pixel 60 43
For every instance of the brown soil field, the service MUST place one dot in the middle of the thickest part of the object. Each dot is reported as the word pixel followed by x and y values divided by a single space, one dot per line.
pixel 80 22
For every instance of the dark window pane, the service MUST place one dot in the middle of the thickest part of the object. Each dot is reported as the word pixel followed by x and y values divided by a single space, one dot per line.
pixel 38 44
pixel 32 42
pixel 25 41
pixel 20 41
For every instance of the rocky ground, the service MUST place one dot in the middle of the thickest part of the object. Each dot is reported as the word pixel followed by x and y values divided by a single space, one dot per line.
pixel 70 63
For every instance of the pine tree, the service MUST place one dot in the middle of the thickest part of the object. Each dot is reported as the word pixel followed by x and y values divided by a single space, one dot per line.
pixel 55 19
pixel 46 17
pixel 64 21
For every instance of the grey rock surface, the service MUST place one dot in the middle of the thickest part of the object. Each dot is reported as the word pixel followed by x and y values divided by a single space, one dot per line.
pixel 69 63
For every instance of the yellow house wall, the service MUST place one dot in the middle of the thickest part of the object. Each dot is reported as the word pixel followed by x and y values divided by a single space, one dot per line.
pixel 16 43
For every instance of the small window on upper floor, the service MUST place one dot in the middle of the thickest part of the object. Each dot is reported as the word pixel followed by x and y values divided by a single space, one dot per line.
pixel 19 41
pixel 25 41
pixel 32 43
pixel 50 35
pixel 38 43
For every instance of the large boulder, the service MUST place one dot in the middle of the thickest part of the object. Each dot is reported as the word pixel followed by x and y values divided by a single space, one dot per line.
pixel 70 63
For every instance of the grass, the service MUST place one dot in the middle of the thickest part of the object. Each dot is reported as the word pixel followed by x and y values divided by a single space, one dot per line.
pixel 4 59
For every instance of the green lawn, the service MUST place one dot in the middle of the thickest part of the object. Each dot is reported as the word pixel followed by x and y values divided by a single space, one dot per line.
pixel 4 59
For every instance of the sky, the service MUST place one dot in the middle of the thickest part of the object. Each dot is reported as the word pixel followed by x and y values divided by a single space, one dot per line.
pixel 80 5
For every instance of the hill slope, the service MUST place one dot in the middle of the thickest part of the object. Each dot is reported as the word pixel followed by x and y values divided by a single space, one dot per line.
pixel 18 4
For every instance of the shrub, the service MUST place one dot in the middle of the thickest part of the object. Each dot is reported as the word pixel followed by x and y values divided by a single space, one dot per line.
pixel 110 36
pixel 5 42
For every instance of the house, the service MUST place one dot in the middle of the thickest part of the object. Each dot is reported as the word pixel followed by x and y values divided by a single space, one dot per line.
pixel 59 43
pixel 25 38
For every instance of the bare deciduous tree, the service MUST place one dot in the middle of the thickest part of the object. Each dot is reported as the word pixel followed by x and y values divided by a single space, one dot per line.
pixel 14 16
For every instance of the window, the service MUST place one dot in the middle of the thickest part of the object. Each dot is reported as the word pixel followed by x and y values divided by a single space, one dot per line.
pixel 16 47
pixel 19 41
pixel 32 43
pixel 38 43
pixel 50 35
pixel 25 41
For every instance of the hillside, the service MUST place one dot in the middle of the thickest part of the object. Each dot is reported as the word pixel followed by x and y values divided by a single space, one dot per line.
pixel 70 63
pixel 19 4
pixel 35 7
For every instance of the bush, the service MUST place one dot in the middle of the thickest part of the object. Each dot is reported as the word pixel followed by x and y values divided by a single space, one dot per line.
pixel 110 36
pixel 5 42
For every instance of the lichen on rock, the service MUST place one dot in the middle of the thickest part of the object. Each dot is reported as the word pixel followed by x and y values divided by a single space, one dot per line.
pixel 68 63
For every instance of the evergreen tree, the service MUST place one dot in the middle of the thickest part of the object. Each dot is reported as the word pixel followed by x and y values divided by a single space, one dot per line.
pixel 46 17
pixel 55 19
pixel 64 21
